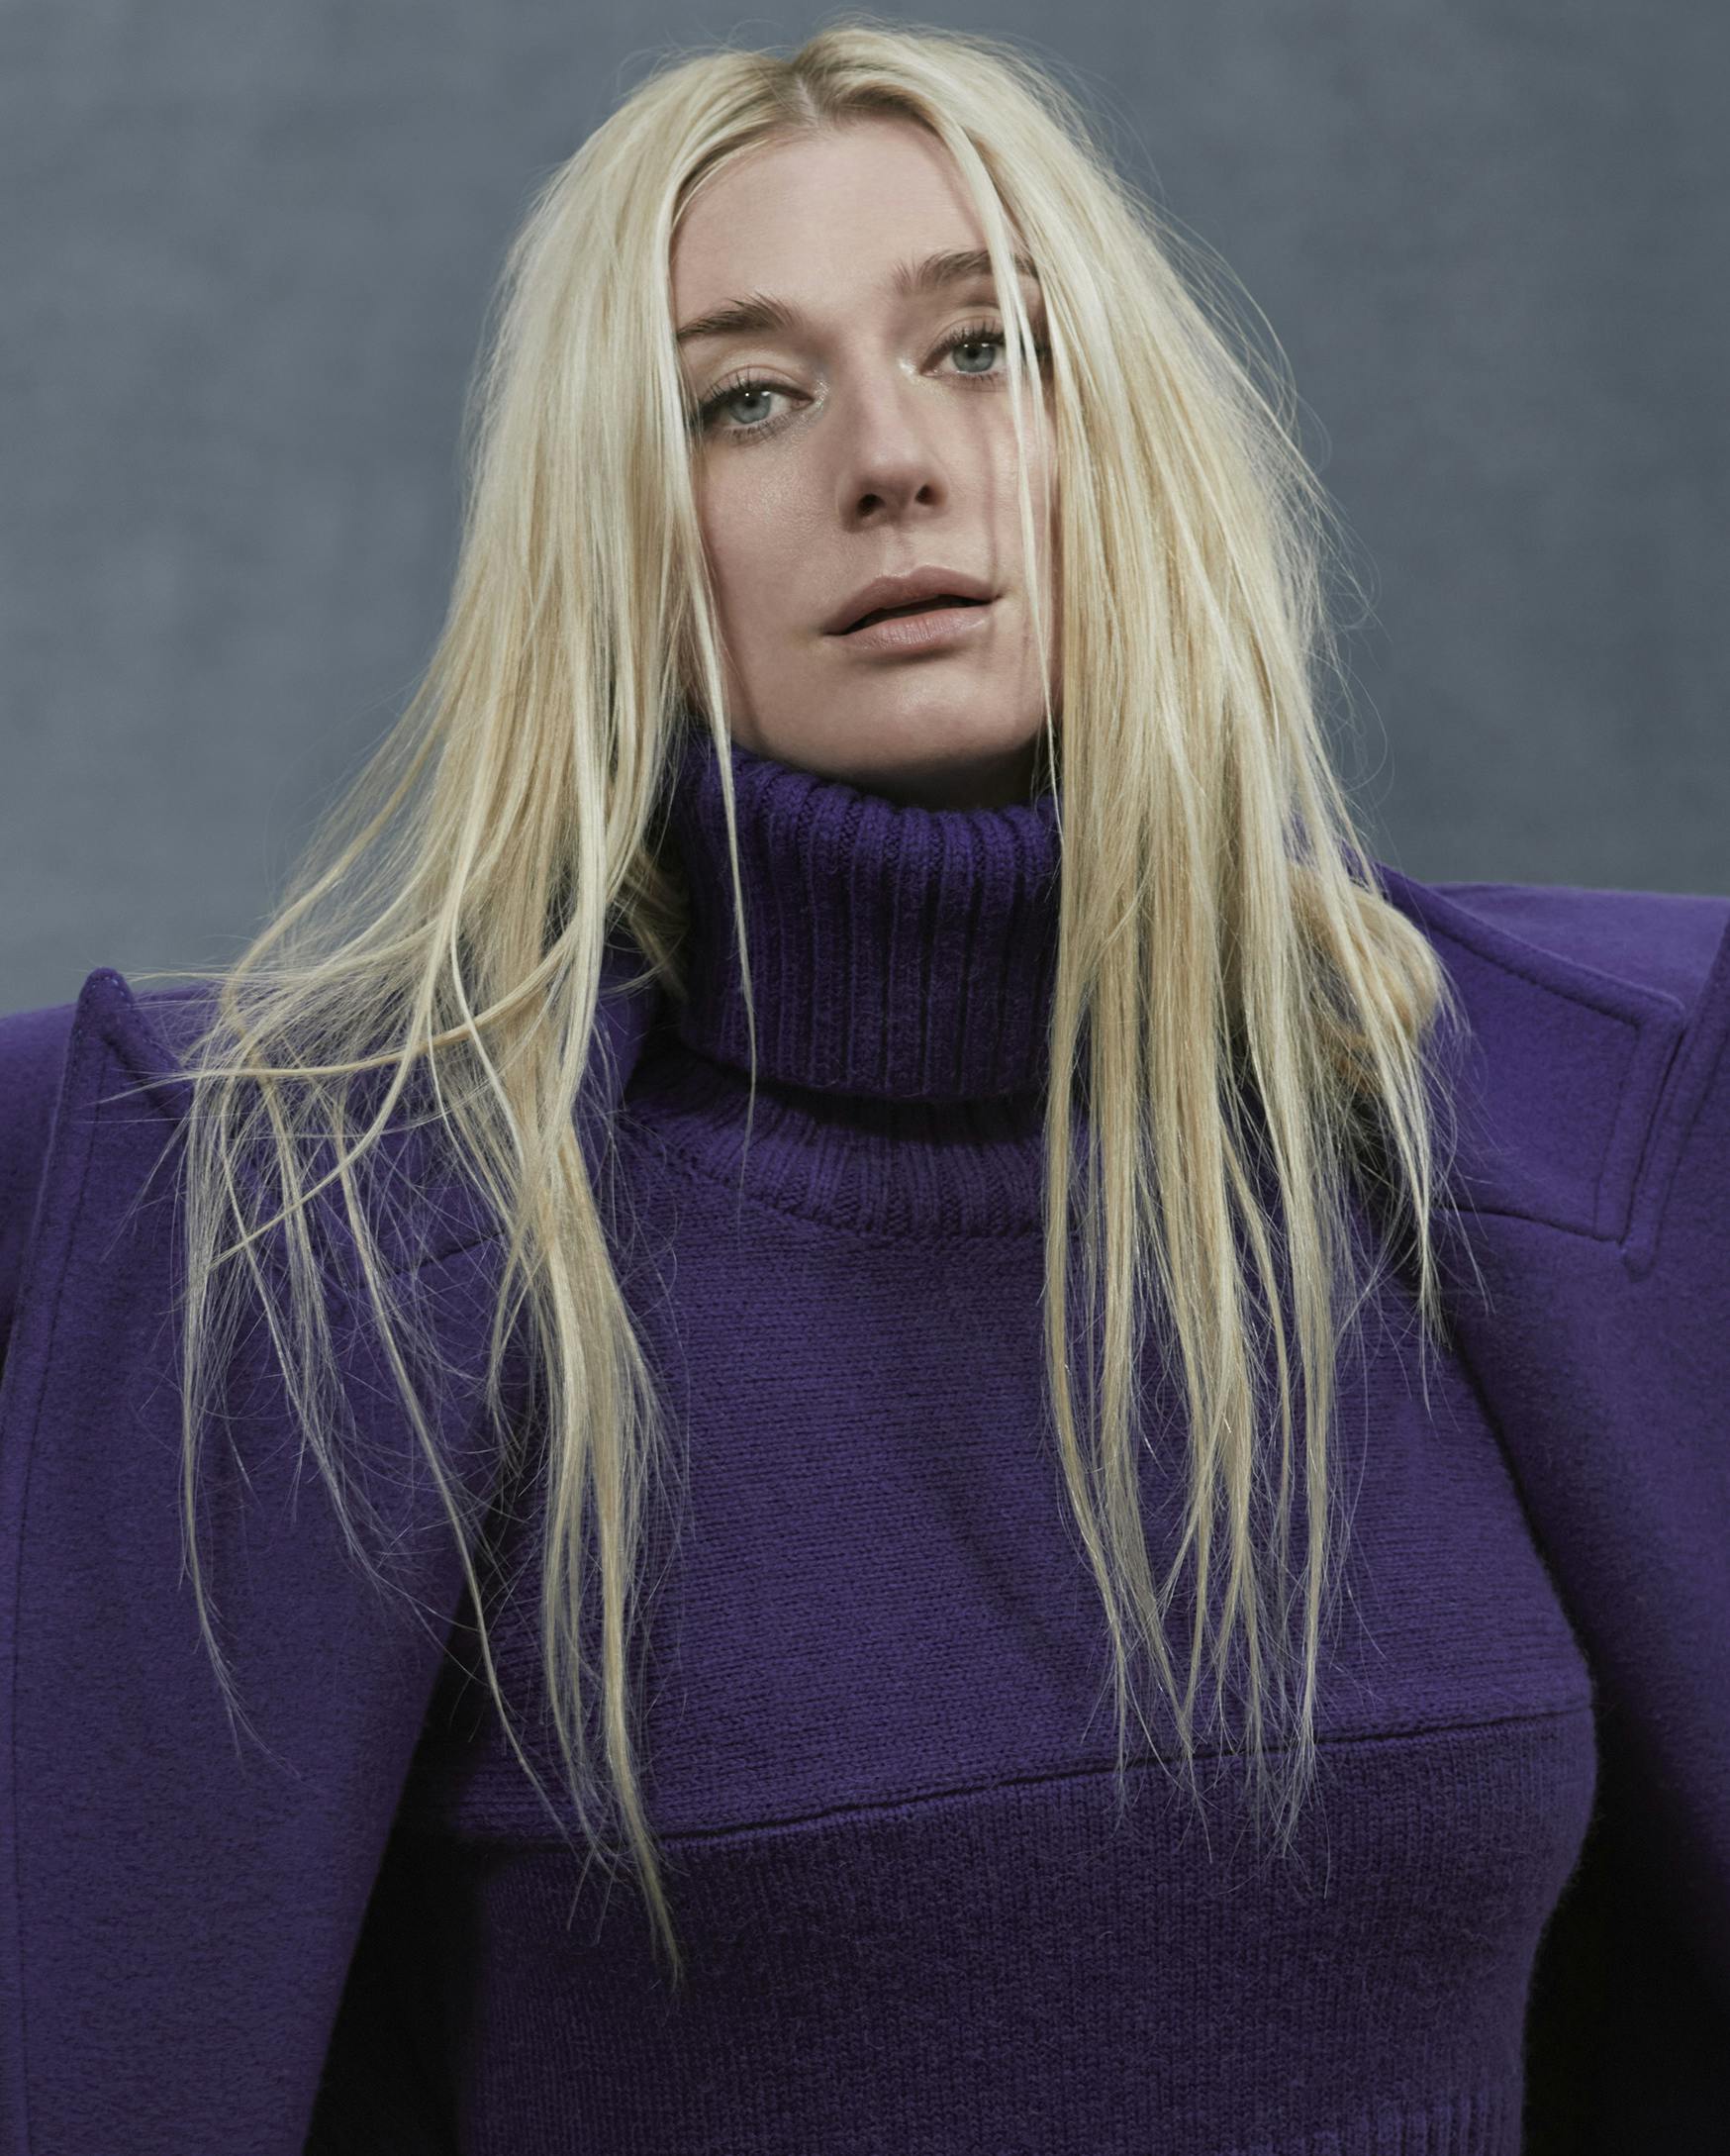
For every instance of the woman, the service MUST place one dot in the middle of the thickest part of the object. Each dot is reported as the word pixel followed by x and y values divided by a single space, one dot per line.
pixel 872 770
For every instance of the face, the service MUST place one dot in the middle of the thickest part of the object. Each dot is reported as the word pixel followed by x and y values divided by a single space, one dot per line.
pixel 862 429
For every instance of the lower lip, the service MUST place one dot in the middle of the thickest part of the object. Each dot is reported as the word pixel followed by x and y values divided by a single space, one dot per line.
pixel 927 632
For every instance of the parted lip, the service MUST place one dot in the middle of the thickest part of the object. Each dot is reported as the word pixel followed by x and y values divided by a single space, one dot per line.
pixel 905 590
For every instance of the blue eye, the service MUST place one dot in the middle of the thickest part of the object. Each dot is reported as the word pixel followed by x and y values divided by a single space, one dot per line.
pixel 989 334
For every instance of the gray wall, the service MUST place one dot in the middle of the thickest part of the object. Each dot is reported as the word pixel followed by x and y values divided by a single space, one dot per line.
pixel 245 256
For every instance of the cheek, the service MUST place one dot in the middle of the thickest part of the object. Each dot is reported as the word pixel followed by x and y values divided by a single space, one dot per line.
pixel 1041 460
pixel 725 550
pixel 748 530
pixel 741 513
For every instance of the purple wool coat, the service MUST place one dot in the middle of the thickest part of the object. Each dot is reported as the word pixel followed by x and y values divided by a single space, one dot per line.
pixel 180 1899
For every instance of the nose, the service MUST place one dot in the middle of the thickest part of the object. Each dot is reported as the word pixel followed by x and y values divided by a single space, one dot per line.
pixel 890 462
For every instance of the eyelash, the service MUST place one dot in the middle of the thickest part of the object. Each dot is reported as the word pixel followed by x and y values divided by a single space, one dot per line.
pixel 980 333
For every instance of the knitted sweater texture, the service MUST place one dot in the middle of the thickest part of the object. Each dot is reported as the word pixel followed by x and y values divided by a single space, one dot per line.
pixel 878 1737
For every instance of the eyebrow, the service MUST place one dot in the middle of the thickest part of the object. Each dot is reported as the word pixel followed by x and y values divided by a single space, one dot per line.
pixel 908 280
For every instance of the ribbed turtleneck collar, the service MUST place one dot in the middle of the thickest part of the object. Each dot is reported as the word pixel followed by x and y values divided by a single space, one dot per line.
pixel 898 952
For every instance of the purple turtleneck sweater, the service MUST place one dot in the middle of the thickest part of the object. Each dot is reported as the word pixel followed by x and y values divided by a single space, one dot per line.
pixel 879 1741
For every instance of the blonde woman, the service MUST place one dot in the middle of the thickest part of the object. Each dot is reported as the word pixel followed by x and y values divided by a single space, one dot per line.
pixel 851 1400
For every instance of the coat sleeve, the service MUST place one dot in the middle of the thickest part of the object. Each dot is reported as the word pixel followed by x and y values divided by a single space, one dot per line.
pixel 386 2082
pixel 182 1888
pixel 1628 2032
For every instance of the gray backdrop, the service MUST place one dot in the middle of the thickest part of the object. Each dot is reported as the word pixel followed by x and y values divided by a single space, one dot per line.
pixel 245 256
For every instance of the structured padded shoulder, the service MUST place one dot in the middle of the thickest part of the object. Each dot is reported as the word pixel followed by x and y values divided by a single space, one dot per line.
pixel 144 1031
pixel 1596 1019
pixel 1660 940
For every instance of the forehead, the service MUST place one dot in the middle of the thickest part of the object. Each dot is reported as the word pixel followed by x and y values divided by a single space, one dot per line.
pixel 820 213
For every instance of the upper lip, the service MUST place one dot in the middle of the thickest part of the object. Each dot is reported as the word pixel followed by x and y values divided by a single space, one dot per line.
pixel 903 591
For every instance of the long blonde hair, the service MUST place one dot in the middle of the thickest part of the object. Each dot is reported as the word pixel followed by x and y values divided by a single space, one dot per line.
pixel 1221 935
